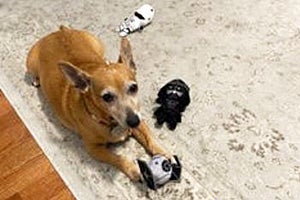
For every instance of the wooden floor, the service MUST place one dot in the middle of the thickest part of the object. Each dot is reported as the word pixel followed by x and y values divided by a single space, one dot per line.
pixel 25 172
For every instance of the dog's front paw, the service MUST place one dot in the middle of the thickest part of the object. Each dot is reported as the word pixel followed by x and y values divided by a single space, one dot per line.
pixel 164 153
pixel 133 173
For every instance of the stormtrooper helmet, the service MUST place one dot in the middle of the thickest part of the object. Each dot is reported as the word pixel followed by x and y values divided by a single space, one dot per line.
pixel 137 20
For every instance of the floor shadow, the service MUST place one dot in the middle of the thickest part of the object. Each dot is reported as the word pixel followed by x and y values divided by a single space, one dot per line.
pixel 28 79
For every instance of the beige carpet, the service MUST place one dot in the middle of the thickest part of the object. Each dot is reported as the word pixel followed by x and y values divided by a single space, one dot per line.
pixel 240 136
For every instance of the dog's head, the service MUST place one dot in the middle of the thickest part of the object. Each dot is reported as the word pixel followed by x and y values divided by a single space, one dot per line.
pixel 112 88
pixel 175 90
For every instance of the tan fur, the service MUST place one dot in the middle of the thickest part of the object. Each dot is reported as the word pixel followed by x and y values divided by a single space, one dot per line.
pixel 82 109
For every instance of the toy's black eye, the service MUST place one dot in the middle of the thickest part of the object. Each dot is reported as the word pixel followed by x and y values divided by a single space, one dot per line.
pixel 133 89
pixel 108 97
pixel 166 166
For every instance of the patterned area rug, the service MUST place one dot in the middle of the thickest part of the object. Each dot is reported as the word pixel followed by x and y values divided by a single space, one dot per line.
pixel 239 138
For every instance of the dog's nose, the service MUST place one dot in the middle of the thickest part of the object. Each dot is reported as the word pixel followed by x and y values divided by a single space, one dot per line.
pixel 133 120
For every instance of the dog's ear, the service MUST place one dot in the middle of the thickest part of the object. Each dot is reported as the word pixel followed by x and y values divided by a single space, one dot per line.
pixel 126 54
pixel 78 78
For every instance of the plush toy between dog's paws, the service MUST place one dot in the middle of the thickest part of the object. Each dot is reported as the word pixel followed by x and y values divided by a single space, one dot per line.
pixel 159 171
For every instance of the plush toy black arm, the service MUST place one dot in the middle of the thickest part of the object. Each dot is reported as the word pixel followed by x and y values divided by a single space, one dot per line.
pixel 160 115
pixel 171 125
pixel 176 169
pixel 147 174
pixel 184 102
pixel 162 95
pixel 158 100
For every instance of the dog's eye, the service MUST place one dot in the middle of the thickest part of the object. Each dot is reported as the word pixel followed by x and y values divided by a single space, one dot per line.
pixel 133 89
pixel 108 97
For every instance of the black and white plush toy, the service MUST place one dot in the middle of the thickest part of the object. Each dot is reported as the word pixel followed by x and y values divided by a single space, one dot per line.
pixel 159 171
pixel 173 99
pixel 137 20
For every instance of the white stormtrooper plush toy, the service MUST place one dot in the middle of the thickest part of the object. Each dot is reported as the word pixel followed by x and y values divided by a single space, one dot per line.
pixel 159 171
pixel 137 20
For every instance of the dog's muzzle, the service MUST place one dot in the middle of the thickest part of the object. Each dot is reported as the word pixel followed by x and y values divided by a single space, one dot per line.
pixel 132 119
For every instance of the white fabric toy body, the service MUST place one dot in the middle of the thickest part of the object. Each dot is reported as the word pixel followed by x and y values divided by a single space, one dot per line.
pixel 159 171
pixel 137 20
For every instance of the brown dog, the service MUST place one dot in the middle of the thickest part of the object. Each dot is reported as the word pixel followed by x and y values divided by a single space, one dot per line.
pixel 95 98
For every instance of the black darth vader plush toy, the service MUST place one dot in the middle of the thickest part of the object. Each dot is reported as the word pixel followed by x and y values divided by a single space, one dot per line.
pixel 173 99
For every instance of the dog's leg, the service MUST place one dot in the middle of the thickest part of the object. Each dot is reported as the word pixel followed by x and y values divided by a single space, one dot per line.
pixel 102 153
pixel 144 137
